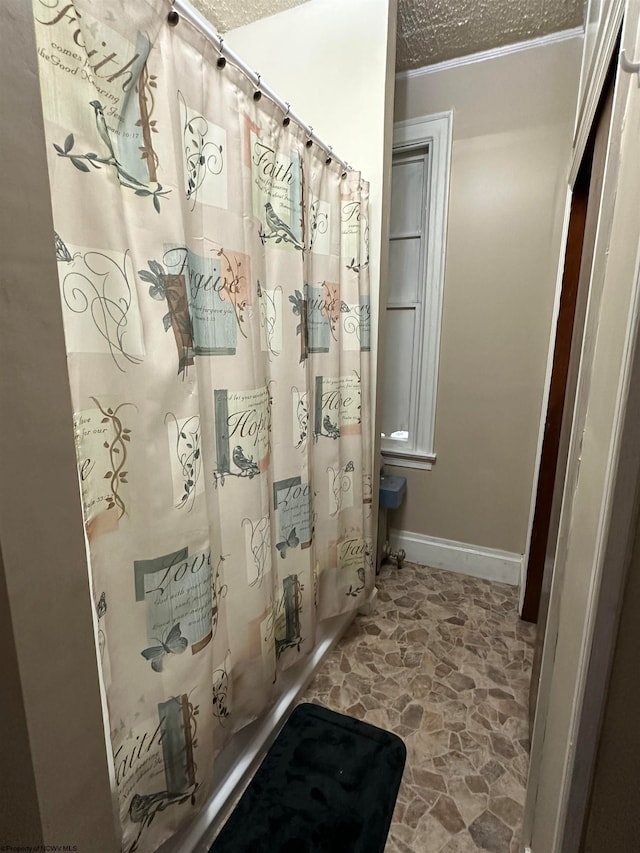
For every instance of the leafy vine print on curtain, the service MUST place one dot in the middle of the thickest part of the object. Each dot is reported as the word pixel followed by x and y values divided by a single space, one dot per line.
pixel 213 276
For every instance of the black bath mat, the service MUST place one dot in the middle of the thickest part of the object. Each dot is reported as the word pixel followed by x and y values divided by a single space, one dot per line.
pixel 327 785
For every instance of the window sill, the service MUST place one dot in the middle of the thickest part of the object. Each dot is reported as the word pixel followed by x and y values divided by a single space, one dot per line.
pixel 422 461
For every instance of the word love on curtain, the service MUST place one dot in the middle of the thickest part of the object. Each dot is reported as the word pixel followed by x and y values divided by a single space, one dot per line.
pixel 214 287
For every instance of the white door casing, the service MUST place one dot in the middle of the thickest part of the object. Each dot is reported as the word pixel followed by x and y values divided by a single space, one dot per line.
pixel 597 502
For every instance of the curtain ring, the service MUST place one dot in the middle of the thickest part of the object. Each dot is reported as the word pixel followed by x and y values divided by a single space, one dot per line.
pixel 309 139
pixel 286 121
pixel 329 159
pixel 257 94
pixel 173 17
pixel 222 60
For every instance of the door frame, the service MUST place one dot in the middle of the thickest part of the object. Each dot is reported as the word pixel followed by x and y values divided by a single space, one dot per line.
pixel 592 81
pixel 545 397
pixel 549 463
pixel 559 819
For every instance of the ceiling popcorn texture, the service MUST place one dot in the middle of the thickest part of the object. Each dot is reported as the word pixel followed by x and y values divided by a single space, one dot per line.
pixel 225 15
pixel 431 31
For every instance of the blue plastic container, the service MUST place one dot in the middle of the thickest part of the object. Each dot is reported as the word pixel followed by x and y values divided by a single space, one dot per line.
pixel 392 490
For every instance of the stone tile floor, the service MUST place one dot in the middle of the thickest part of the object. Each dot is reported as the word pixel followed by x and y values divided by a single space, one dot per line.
pixel 445 663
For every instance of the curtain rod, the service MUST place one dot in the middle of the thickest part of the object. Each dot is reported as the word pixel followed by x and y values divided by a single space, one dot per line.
pixel 184 9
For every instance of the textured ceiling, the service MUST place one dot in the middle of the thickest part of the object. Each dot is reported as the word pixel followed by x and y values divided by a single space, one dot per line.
pixel 431 31
pixel 227 14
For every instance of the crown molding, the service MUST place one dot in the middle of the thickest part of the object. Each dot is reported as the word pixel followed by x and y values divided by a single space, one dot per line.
pixel 494 53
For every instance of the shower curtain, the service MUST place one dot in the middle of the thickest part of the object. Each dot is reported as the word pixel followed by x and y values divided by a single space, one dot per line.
pixel 214 287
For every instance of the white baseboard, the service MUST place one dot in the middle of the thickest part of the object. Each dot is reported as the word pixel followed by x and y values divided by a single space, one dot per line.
pixel 240 758
pixel 473 560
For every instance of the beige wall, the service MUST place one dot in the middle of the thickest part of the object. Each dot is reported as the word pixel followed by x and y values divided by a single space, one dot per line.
pixel 512 128
pixel 19 814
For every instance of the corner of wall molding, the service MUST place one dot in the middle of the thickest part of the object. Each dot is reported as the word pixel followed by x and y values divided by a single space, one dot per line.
pixel 465 558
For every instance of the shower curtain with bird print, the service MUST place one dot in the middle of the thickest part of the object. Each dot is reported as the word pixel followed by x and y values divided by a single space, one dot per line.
pixel 214 288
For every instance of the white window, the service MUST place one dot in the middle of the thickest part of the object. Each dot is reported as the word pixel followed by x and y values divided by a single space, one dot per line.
pixel 419 194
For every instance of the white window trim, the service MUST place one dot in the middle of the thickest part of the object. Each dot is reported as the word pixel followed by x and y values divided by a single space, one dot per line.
pixel 435 131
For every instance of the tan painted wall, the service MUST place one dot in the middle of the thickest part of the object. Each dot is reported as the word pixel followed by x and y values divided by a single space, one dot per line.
pixel 63 773
pixel 19 814
pixel 512 127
